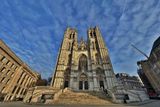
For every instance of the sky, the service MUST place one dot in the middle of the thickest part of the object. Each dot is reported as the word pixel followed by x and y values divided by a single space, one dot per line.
pixel 34 29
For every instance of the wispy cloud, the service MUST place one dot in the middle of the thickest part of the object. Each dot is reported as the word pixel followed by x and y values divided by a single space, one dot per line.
pixel 34 29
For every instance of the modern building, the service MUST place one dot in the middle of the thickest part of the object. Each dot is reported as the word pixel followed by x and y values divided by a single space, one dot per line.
pixel 150 68
pixel 129 82
pixel 15 76
pixel 83 65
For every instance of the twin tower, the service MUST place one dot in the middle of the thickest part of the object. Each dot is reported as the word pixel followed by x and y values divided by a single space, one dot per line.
pixel 83 65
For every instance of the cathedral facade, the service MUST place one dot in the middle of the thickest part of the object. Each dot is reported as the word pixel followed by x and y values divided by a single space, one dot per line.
pixel 83 65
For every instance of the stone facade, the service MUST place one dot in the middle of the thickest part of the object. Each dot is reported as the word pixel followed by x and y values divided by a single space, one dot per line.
pixel 129 82
pixel 151 67
pixel 15 76
pixel 83 65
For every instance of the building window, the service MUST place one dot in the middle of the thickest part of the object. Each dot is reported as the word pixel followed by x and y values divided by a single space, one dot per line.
pixel 8 81
pixel 69 46
pixel 83 63
pixel 25 92
pixel 15 68
pixel 12 66
pixel 22 91
pixel 3 69
pixel 70 36
pixel 12 75
pixel 3 79
pixel 18 90
pixel 3 58
pixel 8 72
pixel 19 78
pixel 8 62
pixel 3 89
pixel 14 89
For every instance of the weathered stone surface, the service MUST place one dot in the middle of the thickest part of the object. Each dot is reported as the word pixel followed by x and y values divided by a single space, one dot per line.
pixel 83 65
pixel 15 76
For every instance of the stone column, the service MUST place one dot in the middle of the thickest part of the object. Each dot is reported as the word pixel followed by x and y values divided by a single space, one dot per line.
pixel 13 83
pixel 106 79
pixel 83 85
pixel 71 84
pixel 27 82
pixel 20 83
pixel 96 88
pixel 22 78
pixel 30 82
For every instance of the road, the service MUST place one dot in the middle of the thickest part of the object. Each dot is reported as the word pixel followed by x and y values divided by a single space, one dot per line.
pixel 152 103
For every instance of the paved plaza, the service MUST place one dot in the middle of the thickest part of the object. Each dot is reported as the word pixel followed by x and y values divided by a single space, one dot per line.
pixel 151 103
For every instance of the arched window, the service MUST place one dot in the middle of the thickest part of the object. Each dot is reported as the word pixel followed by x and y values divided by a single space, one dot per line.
pixel 83 64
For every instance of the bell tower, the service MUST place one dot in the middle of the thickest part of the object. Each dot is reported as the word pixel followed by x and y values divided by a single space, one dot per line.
pixel 83 65
pixel 104 59
pixel 64 58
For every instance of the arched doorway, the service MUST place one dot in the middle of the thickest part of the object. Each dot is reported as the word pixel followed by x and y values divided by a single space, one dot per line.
pixel 83 82
pixel 83 63
pixel 100 74
pixel 66 78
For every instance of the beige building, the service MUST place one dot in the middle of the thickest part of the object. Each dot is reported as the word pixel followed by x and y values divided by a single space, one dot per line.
pixel 83 65
pixel 15 76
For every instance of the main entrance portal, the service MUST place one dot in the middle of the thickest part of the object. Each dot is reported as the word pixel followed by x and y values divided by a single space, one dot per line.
pixel 83 82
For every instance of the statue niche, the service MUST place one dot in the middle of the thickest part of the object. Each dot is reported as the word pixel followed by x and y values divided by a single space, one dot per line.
pixel 83 64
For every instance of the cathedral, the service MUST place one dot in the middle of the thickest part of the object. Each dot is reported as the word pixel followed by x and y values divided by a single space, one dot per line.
pixel 83 65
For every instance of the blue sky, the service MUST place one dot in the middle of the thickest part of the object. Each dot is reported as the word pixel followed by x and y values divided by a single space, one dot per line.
pixel 34 29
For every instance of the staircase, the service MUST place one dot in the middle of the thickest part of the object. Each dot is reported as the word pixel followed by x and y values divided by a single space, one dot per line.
pixel 84 97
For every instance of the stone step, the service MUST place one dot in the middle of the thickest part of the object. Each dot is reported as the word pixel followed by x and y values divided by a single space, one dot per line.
pixel 89 98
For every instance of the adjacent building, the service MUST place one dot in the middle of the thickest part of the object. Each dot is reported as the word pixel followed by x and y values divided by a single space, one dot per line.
pixel 15 76
pixel 129 82
pixel 149 69
pixel 83 65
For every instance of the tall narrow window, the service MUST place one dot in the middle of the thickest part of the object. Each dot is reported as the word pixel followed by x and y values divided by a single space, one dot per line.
pixel 86 85
pixel 69 59
pixel 83 64
pixel 93 46
pixel 69 46
pixel 8 72
pixel 70 36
